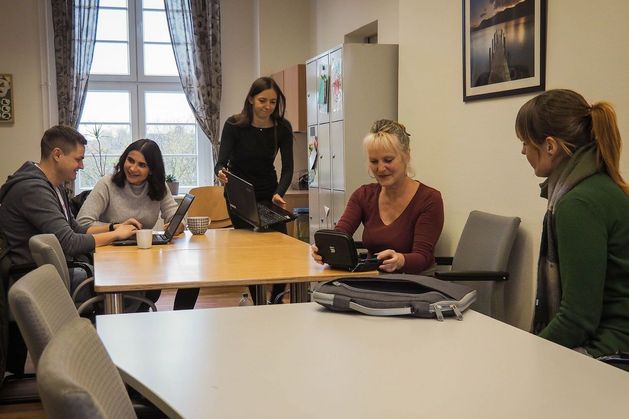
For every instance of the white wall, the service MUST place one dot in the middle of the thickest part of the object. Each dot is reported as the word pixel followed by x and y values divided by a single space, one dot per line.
pixel 238 54
pixel 284 34
pixel 19 55
pixel 331 20
pixel 470 151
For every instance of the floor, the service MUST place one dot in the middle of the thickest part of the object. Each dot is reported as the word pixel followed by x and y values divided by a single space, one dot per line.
pixel 208 298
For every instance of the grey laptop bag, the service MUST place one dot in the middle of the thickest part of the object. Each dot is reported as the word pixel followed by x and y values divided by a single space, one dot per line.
pixel 396 295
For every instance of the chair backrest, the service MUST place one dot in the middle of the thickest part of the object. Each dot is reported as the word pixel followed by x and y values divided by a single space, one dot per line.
pixel 41 305
pixel 486 242
pixel 210 201
pixel 46 249
pixel 77 378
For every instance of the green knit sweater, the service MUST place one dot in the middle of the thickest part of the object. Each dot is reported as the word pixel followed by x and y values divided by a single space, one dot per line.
pixel 592 230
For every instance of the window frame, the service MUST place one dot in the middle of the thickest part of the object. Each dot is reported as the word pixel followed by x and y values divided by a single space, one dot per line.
pixel 138 84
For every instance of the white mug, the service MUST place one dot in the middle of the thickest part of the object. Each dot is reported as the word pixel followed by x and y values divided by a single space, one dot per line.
pixel 144 238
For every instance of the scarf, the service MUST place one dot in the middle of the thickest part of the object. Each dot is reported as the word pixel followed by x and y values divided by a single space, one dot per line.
pixel 583 164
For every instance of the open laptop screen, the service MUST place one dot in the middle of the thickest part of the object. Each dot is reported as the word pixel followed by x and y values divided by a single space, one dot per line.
pixel 179 214
pixel 242 199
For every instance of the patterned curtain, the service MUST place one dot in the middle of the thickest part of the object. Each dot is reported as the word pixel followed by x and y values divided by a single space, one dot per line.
pixel 195 32
pixel 74 24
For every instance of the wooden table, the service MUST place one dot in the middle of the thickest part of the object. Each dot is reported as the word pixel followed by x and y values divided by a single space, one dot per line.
pixel 218 258
pixel 302 361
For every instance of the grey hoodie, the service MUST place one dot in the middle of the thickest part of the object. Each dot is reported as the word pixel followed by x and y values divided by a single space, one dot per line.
pixel 29 206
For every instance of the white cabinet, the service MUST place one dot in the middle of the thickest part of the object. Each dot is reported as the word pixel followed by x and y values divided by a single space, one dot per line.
pixel 323 91
pixel 311 92
pixel 348 88
pixel 336 156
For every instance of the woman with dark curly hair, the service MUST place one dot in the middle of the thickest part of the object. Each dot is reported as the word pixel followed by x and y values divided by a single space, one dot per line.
pixel 137 190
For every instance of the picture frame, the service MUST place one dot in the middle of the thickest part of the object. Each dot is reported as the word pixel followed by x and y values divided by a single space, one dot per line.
pixel 6 99
pixel 504 48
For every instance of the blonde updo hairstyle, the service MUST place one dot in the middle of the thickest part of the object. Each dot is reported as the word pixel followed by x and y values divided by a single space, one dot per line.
pixel 390 136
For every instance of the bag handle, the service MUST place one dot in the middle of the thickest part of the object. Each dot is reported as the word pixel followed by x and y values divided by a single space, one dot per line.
pixel 380 311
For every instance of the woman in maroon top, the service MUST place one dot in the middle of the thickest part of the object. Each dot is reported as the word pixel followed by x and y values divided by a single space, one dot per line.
pixel 402 217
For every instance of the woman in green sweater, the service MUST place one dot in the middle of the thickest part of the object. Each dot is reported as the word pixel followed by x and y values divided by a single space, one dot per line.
pixel 583 274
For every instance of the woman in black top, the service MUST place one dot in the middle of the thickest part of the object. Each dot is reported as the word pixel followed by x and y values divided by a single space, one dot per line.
pixel 250 142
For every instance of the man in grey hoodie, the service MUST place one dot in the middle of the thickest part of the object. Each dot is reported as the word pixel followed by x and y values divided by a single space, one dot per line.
pixel 32 201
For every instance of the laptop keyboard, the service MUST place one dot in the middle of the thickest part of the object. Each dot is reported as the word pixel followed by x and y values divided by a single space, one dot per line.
pixel 267 216
pixel 160 237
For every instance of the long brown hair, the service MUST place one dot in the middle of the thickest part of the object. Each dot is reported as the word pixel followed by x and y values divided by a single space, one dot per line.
pixel 245 116
pixel 566 116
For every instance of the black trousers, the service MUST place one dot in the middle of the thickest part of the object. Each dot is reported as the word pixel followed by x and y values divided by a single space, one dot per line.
pixel 185 299
pixel 240 223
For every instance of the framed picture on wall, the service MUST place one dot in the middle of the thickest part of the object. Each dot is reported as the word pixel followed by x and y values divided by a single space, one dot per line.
pixel 504 47
pixel 6 98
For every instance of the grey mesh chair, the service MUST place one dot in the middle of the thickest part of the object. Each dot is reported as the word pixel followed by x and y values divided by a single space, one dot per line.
pixel 77 378
pixel 41 305
pixel 482 258
pixel 45 248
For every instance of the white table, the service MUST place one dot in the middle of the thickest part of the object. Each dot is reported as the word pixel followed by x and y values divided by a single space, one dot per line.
pixel 248 362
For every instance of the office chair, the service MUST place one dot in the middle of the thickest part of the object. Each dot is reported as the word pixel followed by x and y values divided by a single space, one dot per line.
pixel 210 201
pixel 78 379
pixel 482 257
pixel 45 249
pixel 41 305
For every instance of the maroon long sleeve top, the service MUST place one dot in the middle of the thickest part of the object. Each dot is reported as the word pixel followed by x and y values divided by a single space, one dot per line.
pixel 414 233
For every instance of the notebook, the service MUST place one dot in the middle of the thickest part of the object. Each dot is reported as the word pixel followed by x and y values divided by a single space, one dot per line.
pixel 242 201
pixel 165 238
pixel 339 251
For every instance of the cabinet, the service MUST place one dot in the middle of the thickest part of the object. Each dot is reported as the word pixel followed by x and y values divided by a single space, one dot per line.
pixel 347 89
pixel 292 81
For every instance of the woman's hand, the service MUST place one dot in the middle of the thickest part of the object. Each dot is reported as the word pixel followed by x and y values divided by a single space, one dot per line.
pixel 222 176
pixel 132 222
pixel 314 251
pixel 391 260
pixel 179 230
pixel 124 231
pixel 278 200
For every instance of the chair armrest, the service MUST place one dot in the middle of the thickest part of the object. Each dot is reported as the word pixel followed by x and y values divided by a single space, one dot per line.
pixel 444 260
pixel 82 285
pixel 81 265
pixel 622 358
pixel 472 276
pixel 22 268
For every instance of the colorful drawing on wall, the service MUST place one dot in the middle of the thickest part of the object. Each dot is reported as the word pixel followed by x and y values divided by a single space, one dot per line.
pixel 336 83
pixel 504 47
pixel 6 98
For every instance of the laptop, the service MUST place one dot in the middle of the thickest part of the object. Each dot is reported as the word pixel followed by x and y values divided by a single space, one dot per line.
pixel 338 250
pixel 242 200
pixel 165 238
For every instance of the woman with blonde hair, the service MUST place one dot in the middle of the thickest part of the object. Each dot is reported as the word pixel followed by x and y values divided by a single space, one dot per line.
pixel 402 217
pixel 583 274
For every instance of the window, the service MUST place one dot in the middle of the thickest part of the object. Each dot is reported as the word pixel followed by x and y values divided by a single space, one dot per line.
pixel 134 92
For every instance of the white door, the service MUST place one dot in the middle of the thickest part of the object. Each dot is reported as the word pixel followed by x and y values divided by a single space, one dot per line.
pixel 325 208
pixel 324 163
pixel 338 206
pixel 313 211
pixel 323 89
pixel 311 92
pixel 336 85
pixel 313 157
pixel 336 155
